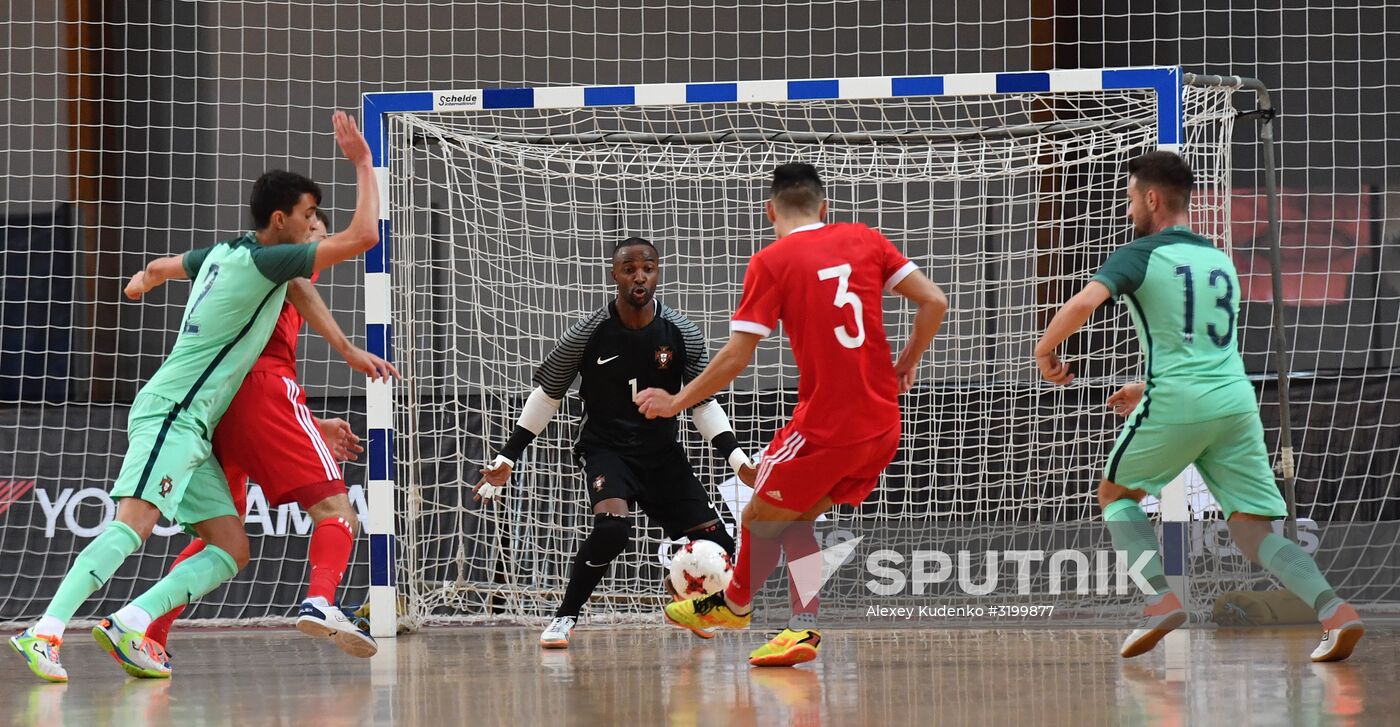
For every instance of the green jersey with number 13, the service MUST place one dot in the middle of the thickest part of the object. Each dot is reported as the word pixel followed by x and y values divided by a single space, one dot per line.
pixel 1183 296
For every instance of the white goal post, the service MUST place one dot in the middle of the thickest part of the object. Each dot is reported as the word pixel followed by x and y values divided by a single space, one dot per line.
pixel 498 206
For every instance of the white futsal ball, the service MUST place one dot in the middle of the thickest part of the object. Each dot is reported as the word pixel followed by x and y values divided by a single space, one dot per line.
pixel 700 568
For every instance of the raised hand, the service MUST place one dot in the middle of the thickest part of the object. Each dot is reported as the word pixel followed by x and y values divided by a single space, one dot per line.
pixel 352 142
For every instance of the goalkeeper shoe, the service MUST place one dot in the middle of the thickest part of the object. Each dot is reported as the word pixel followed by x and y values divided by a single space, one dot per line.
pixel 788 648
pixel 139 657
pixel 1158 619
pixel 41 655
pixel 556 636
pixel 699 615
pixel 320 619
pixel 1340 632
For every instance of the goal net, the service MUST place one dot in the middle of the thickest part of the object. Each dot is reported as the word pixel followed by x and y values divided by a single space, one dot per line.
pixel 503 221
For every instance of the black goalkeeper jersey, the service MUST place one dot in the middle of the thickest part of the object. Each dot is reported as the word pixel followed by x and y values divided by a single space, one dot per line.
pixel 615 362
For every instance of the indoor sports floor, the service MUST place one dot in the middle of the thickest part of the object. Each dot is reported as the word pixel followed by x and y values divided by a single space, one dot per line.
pixel 624 676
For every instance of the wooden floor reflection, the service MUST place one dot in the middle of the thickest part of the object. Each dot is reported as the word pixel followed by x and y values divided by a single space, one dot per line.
pixel 618 677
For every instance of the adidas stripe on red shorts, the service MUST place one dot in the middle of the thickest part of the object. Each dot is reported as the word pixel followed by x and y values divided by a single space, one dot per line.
pixel 795 474
pixel 268 434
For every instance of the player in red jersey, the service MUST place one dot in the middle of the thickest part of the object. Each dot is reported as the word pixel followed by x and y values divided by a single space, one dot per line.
pixel 824 283
pixel 268 433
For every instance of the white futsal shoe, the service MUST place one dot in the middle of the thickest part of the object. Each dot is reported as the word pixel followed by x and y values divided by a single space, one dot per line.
pixel 317 618
pixel 556 636
pixel 1158 619
pixel 1340 632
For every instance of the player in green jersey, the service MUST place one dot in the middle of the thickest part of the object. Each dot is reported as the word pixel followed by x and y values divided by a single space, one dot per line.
pixel 1195 407
pixel 237 294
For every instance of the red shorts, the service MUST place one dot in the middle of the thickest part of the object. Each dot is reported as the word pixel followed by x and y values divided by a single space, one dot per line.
pixel 795 474
pixel 268 434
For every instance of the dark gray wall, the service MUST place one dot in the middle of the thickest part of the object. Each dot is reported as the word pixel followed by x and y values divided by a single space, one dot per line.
pixel 200 98
pixel 203 97
pixel 1333 68
pixel 33 118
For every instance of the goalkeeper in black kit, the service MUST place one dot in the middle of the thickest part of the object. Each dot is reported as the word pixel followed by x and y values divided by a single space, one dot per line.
pixel 631 344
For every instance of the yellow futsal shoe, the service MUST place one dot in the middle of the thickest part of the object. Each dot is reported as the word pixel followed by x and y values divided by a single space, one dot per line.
pixel 705 613
pixel 139 657
pixel 788 648
pixel 41 655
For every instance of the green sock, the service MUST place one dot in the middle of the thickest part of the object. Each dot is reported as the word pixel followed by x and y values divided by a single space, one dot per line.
pixel 1132 533
pixel 91 569
pixel 196 576
pixel 1298 571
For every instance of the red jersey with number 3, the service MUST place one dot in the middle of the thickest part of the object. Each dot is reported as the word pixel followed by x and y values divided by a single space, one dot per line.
pixel 825 283
pixel 279 356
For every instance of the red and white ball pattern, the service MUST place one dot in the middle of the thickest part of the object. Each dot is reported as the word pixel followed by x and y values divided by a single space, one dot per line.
pixel 700 568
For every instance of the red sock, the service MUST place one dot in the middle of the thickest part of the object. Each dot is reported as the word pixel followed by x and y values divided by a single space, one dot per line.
pixel 159 630
pixel 331 543
pixel 755 561
pixel 799 541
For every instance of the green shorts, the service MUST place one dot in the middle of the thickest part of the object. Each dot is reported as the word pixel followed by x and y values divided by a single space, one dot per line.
pixel 1229 452
pixel 168 463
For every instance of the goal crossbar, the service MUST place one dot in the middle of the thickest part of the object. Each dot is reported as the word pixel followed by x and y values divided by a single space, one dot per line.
pixel 743 137
pixel 1165 80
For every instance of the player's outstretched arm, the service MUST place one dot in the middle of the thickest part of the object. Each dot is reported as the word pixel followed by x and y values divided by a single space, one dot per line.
pixel 723 369
pixel 308 302
pixel 154 274
pixel 363 231
pixel 713 424
pixel 932 306
pixel 552 380
pixel 708 416
pixel 539 408
pixel 1070 318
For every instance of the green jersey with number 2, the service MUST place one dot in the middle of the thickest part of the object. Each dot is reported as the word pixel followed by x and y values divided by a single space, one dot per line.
pixel 238 289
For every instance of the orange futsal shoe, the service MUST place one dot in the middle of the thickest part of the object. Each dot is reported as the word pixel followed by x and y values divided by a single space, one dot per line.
pixel 788 648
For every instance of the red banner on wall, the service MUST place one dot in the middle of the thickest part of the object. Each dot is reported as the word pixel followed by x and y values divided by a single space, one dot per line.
pixel 1322 235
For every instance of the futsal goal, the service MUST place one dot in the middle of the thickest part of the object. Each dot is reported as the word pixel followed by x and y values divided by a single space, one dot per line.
pixel 503 204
